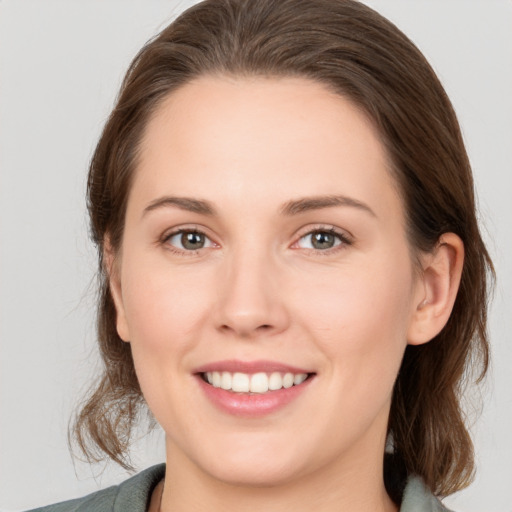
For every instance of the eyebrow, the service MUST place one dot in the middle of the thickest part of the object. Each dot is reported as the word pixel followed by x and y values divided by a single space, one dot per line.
pixel 305 204
pixel 290 208
pixel 189 204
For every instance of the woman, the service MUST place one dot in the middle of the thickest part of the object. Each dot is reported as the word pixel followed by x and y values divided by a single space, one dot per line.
pixel 292 274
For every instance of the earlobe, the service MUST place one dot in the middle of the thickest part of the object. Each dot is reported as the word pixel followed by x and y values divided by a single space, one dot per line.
pixel 111 266
pixel 439 285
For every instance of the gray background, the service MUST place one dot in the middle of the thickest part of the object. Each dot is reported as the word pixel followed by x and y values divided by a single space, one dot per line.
pixel 61 63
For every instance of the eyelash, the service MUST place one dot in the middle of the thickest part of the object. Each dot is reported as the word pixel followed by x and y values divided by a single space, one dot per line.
pixel 344 241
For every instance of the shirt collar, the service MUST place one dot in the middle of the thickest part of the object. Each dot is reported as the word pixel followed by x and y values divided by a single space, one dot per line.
pixel 418 498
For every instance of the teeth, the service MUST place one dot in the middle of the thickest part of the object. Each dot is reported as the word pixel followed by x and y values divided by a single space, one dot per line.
pixel 226 380
pixel 299 378
pixel 259 383
pixel 288 380
pixel 240 382
pixel 255 383
pixel 275 381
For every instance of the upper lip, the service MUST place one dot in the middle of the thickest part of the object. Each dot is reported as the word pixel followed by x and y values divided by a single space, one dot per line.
pixel 235 365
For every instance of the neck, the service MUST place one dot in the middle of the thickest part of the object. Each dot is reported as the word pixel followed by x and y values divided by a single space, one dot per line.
pixel 355 485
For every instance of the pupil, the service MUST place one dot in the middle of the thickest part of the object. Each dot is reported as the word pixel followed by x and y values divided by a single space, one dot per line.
pixel 190 240
pixel 322 240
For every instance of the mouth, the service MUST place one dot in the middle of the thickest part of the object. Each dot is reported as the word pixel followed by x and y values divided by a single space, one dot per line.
pixel 254 383
pixel 253 389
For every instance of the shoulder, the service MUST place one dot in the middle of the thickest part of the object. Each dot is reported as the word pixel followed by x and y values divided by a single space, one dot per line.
pixel 130 496
pixel 417 497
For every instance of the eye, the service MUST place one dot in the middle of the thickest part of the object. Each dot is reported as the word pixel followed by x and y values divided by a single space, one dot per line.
pixel 187 240
pixel 323 239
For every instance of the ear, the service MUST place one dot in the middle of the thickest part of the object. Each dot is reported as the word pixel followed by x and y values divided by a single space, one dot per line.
pixel 437 290
pixel 111 264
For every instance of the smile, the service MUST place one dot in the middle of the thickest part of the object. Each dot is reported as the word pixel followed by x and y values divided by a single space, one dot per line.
pixel 260 382
pixel 252 389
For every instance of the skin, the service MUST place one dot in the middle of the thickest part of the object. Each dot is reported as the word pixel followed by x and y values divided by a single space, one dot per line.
pixel 258 288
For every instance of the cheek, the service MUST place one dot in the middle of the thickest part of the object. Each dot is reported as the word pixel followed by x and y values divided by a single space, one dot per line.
pixel 366 293
pixel 162 307
pixel 360 319
pixel 164 311
pixel 359 323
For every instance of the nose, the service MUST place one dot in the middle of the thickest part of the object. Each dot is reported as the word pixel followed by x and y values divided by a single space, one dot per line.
pixel 251 300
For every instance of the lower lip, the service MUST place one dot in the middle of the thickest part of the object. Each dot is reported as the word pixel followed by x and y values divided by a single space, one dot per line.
pixel 252 405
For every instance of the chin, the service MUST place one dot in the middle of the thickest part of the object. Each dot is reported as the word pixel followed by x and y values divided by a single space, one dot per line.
pixel 255 475
pixel 266 468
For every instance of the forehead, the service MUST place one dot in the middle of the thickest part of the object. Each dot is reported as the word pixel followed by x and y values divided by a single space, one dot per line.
pixel 261 138
pixel 292 108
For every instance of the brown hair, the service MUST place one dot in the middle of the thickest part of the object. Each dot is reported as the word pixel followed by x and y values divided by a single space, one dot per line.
pixel 362 56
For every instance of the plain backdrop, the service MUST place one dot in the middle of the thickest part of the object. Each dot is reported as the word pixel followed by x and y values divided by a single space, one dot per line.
pixel 61 63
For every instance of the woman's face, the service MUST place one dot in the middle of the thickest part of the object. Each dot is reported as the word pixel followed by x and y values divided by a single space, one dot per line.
pixel 263 227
